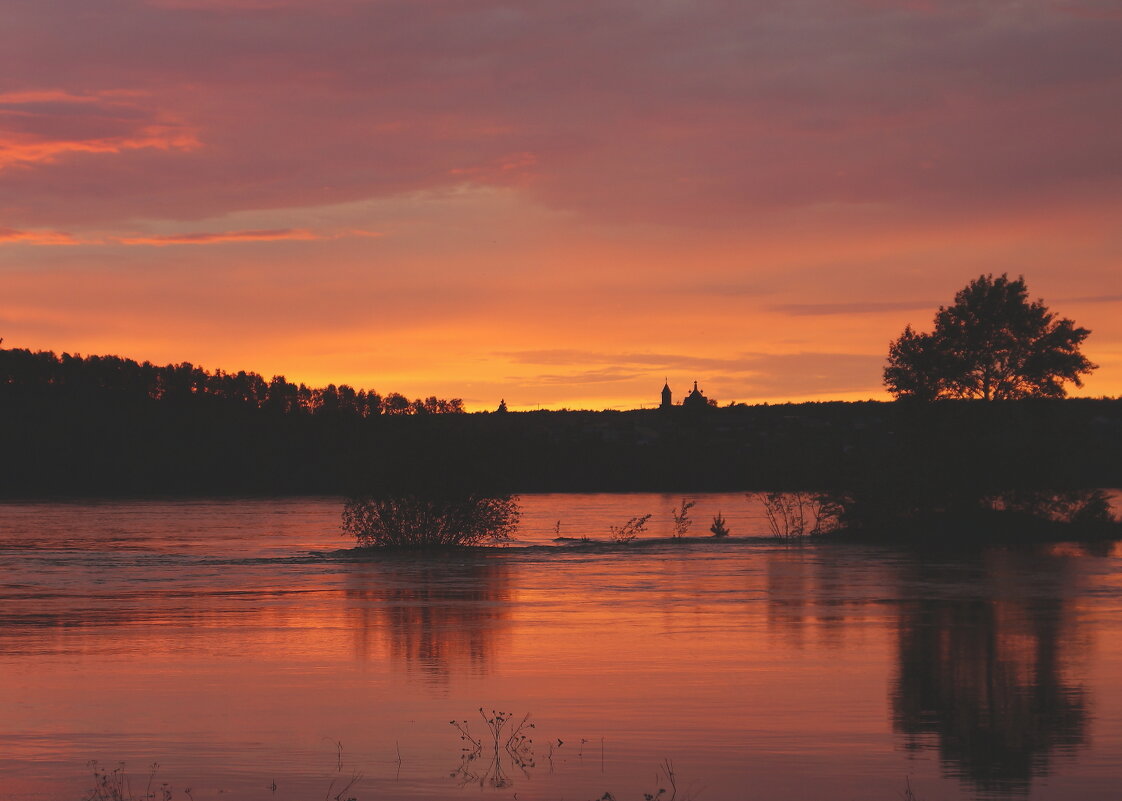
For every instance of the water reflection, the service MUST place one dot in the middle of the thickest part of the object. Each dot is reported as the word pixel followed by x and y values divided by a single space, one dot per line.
pixel 438 617
pixel 984 666
pixel 808 595
pixel 1084 506
pixel 988 647
pixel 801 670
pixel 943 510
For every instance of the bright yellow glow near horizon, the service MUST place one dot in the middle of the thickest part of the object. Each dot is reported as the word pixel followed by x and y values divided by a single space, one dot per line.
pixel 471 211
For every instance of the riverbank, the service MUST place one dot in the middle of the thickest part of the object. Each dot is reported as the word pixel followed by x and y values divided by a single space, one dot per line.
pixel 56 445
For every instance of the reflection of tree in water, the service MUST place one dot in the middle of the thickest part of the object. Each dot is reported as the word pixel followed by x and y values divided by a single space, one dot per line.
pixel 985 649
pixel 810 594
pixel 982 674
pixel 1088 506
pixel 437 616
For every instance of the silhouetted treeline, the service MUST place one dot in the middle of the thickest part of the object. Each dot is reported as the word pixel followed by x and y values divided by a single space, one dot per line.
pixel 94 379
pixel 107 426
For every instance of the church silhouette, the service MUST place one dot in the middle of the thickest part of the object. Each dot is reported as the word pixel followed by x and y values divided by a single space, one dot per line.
pixel 694 400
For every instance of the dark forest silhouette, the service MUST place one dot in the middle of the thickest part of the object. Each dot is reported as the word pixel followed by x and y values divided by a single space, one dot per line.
pixel 114 427
pixel 78 377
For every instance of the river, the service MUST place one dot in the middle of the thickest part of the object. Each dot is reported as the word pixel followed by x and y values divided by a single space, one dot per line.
pixel 243 648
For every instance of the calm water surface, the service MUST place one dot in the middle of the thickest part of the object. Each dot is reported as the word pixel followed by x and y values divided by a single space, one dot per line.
pixel 236 644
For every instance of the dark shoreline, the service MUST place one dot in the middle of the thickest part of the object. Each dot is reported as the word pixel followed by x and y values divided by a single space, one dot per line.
pixel 55 445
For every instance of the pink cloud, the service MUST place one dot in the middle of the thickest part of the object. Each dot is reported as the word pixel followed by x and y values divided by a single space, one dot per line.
pixel 38 237
pixel 49 237
pixel 222 237
pixel 664 175
pixel 43 126
pixel 1092 9
pixel 695 115
pixel 242 5
pixel 211 238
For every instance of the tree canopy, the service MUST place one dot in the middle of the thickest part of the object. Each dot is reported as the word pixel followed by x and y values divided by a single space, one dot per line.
pixel 992 343
pixel 43 373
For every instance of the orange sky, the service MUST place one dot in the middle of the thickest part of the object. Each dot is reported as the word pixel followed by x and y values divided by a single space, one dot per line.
pixel 551 203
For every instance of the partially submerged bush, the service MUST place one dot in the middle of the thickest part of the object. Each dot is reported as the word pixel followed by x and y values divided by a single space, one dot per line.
pixel 423 521
pixel 682 520
pixel 1067 506
pixel 629 530
pixel 956 513
pixel 791 515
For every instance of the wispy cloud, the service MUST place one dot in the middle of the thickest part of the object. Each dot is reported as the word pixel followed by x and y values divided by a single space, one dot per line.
pixel 857 307
pixel 36 237
pixel 595 190
pixel 49 237
pixel 16 100
pixel 668 361
pixel 43 126
pixel 743 110
pixel 1114 298
pixel 254 235
pixel 602 376
pixel 745 376
pixel 221 237
pixel 1092 9
pixel 814 373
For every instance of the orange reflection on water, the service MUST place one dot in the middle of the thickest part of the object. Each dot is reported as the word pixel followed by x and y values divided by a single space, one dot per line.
pixel 437 618
pixel 802 669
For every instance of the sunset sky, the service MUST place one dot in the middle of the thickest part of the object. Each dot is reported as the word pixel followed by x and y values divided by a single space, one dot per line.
pixel 556 203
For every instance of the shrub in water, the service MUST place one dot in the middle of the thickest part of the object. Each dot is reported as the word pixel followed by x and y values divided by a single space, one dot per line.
pixel 791 515
pixel 682 518
pixel 417 521
pixel 629 530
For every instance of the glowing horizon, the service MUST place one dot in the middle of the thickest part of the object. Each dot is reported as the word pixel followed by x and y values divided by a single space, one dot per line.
pixel 558 207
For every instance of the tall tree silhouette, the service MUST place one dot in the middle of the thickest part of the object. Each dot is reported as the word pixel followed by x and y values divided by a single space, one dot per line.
pixel 992 343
